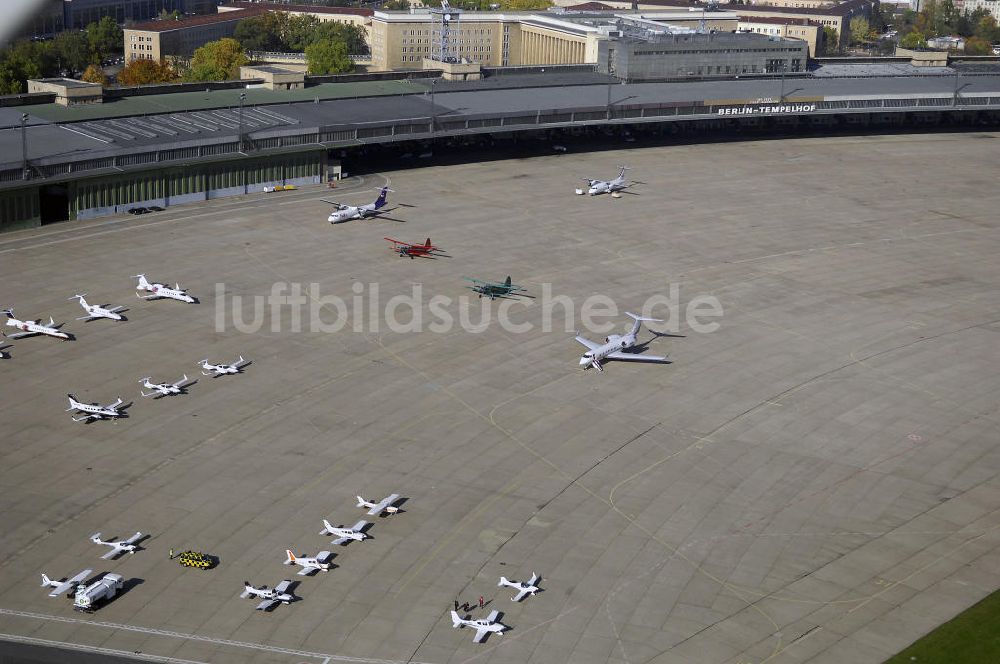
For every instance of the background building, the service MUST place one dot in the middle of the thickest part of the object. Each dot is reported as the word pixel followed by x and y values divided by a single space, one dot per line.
pixel 156 40
pixel 78 13
pixel 790 28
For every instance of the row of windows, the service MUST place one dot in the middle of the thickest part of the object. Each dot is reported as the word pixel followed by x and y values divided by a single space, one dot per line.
pixel 140 38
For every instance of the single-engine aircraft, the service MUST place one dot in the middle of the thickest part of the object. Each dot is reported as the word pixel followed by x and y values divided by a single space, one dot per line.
pixel 426 249
pixel 494 289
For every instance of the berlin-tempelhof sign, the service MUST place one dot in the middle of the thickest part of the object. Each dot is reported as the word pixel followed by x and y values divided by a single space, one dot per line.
pixel 764 106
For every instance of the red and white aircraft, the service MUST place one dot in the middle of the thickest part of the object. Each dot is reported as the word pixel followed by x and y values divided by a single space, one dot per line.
pixel 159 290
pixel 412 250
pixel 29 328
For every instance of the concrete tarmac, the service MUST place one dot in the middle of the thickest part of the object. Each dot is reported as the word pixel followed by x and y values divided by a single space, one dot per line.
pixel 814 481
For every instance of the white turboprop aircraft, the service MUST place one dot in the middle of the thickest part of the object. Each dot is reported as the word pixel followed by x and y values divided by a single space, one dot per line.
pixel 162 389
pixel 29 328
pixel 96 311
pixel 522 588
pixel 355 533
pixel 384 505
pixel 482 627
pixel 318 563
pixel 348 212
pixel 595 187
pixel 66 585
pixel 160 290
pixel 215 370
pixel 117 548
pixel 94 411
pixel 615 347
pixel 271 596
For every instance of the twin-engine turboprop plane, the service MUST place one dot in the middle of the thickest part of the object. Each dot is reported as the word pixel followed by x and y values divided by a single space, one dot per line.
pixel 596 187
pixel 94 411
pixel 348 212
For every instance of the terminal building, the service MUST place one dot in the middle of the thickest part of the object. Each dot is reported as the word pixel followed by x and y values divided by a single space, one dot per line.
pixel 53 16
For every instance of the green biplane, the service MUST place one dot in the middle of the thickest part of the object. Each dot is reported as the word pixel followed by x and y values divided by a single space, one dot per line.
pixel 494 289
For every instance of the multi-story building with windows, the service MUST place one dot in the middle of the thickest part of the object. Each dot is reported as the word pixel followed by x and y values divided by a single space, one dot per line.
pixel 78 13
pixel 157 40
pixel 791 28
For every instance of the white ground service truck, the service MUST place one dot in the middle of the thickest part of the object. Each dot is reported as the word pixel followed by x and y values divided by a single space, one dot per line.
pixel 88 597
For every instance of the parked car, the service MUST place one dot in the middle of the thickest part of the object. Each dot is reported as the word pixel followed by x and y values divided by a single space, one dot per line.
pixel 138 210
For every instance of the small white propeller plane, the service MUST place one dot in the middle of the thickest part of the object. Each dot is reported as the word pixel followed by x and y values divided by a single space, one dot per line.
pixel 216 370
pixel 160 290
pixel 271 596
pixel 595 187
pixel 117 548
pixel 522 589
pixel 94 411
pixel 348 212
pixel 310 565
pixel 355 533
pixel 615 347
pixel 483 627
pixel 66 585
pixel 95 311
pixel 385 505
pixel 162 389
pixel 29 328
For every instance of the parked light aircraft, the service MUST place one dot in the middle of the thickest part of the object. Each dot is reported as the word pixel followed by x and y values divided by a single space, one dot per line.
pixel 521 588
pixel 494 289
pixel 271 596
pixel 348 212
pixel 162 389
pixel 384 505
pixel 319 562
pixel 483 627
pixel 29 328
pixel 616 347
pixel 426 249
pixel 595 187
pixel 66 585
pixel 97 311
pixel 355 533
pixel 160 290
pixel 94 411
pixel 117 548
pixel 216 370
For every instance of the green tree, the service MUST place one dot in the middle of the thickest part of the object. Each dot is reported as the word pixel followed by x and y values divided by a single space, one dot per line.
pixel 977 46
pixel 300 32
pixel 263 33
pixel 352 35
pixel 986 28
pixel 144 72
pixel 327 57
pixel 914 39
pixel 859 30
pixel 95 74
pixel 217 61
pixel 831 41
pixel 396 5
pixel 105 38
pixel 71 50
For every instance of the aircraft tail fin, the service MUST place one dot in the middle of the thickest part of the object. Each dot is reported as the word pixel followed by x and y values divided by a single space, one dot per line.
pixel 427 243
pixel 327 528
pixel 639 319
pixel 382 195
pixel 456 620
pixel 142 280
pixel 46 581
pixel 503 581
pixel 9 312
pixel 96 538
pixel 291 557
pixel 507 283
pixel 361 501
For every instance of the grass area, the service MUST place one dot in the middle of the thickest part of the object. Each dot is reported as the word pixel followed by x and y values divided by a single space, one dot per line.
pixel 972 637
pixel 195 101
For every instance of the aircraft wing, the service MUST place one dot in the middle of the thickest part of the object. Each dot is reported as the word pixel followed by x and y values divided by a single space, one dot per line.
pixel 266 604
pixel 341 540
pixel 246 593
pixel 476 281
pixel 133 539
pixel 339 206
pixel 359 526
pixel 306 571
pixel 110 554
pixel 588 343
pixel 116 309
pixel 283 586
pixel 399 242
pixel 480 635
pixel 18 335
pixel 533 580
pixel 494 614
pixel 519 596
pixel 636 357
pixel 382 504
pixel 69 583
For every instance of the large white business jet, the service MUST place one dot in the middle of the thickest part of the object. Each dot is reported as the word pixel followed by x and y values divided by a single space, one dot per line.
pixel 162 389
pixel 310 565
pixel 28 327
pixel 385 505
pixel 216 370
pixel 522 588
pixel 271 596
pixel 96 311
pixel 355 533
pixel 117 548
pixel 66 585
pixel 94 411
pixel 160 290
pixel 595 187
pixel 482 627
pixel 348 212
pixel 615 347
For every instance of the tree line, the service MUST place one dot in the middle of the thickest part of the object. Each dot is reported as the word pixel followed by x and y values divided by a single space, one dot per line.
pixel 940 18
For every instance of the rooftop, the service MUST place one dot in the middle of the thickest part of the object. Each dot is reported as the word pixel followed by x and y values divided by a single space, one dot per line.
pixel 777 20
pixel 312 9
pixel 193 21
pixel 67 82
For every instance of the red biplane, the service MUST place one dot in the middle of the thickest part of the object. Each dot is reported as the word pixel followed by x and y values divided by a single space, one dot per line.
pixel 406 249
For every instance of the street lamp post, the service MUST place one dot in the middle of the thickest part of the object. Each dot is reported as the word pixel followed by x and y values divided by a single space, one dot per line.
pixel 781 99
pixel 433 107
pixel 25 173
pixel 243 97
